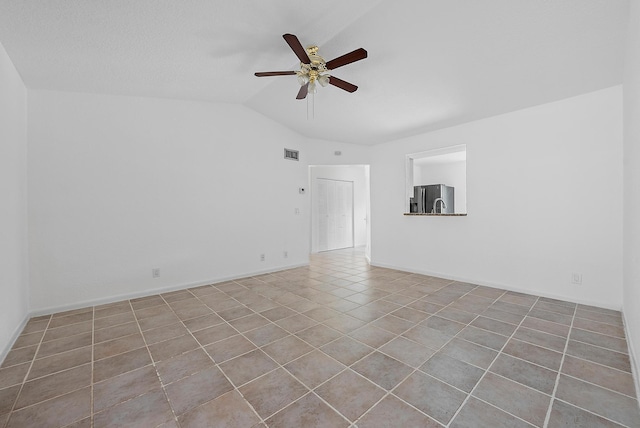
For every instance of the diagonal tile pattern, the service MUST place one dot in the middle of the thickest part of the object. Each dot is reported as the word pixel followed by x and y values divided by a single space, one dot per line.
pixel 338 343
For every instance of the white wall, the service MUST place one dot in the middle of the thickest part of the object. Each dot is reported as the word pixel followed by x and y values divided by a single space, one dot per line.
pixel 354 173
pixel 632 186
pixel 322 152
pixel 13 208
pixel 558 169
pixel 121 185
pixel 449 173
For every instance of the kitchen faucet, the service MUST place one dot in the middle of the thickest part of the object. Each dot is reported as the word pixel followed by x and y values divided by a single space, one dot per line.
pixel 435 205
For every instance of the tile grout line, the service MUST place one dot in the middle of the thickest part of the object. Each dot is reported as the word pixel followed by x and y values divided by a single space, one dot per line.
pixel 555 387
pixel 504 411
pixel 235 388
pixel 153 364
pixel 318 348
pixel 599 386
pixel 598 346
pixel 605 324
pixel 26 376
pixel 279 366
pixel 397 335
pixel 314 348
pixel 564 354
pixel 60 371
pixel 524 340
pixel 342 313
pixel 499 352
pixel 390 392
pixel 469 394
pixel 592 413
pixel 553 397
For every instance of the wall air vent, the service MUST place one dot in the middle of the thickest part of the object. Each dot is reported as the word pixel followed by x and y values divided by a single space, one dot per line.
pixel 291 154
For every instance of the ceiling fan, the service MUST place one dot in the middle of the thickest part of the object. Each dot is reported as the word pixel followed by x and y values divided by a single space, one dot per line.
pixel 314 69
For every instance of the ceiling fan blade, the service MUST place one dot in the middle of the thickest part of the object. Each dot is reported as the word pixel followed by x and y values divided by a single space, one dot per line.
pixel 297 48
pixel 274 73
pixel 302 93
pixel 349 87
pixel 345 59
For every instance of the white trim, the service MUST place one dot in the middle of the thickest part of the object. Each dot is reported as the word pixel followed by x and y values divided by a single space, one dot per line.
pixel 154 291
pixel 117 298
pixel 635 368
pixel 497 285
pixel 14 337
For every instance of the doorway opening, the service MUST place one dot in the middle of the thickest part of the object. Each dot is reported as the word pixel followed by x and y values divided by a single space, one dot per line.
pixel 335 214
pixel 340 207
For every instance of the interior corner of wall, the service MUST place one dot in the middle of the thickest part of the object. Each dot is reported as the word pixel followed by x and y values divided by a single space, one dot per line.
pixel 633 357
pixel 4 351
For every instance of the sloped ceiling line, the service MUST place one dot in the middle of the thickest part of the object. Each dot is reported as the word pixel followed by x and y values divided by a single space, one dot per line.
pixel 431 64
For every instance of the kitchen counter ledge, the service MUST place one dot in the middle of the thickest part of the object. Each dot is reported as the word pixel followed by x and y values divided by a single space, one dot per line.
pixel 436 215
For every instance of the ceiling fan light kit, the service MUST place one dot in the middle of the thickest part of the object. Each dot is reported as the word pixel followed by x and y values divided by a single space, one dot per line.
pixel 314 69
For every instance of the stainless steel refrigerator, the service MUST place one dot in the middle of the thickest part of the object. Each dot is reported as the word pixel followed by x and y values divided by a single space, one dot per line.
pixel 426 196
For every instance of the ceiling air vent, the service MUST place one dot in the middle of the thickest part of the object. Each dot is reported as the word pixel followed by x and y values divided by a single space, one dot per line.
pixel 291 154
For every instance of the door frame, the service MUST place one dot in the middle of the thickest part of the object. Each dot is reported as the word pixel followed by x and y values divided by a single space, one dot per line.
pixel 360 175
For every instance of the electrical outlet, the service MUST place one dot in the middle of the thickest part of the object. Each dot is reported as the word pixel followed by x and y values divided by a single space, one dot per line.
pixel 576 278
pixel 285 254
pixel 262 257
pixel 155 273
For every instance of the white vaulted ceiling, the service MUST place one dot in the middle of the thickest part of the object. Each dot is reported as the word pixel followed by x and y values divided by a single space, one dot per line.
pixel 432 63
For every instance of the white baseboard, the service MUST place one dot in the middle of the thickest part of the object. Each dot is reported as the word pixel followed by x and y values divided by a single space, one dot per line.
pixel 635 368
pixel 151 292
pixel 127 296
pixel 14 337
pixel 496 285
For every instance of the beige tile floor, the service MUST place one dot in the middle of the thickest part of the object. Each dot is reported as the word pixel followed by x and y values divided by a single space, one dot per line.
pixel 335 344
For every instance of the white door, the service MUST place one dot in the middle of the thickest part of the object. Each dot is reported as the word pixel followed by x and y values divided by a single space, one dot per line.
pixel 335 214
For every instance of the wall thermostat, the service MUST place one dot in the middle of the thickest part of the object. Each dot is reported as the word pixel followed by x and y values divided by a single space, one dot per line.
pixel 301 190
